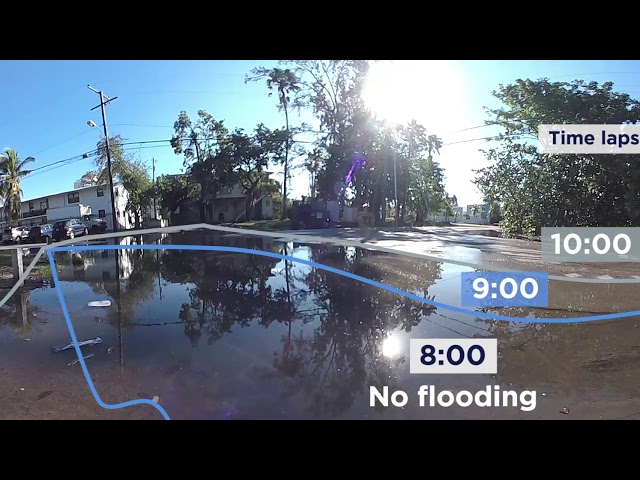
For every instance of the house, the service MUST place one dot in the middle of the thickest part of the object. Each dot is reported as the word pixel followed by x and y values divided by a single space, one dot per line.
pixel 95 199
pixel 483 210
pixel 229 206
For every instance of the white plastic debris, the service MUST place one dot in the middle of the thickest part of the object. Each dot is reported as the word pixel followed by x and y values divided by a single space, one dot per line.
pixel 84 343
pixel 100 303
pixel 156 399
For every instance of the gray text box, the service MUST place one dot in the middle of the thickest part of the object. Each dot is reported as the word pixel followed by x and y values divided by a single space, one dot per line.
pixel 591 244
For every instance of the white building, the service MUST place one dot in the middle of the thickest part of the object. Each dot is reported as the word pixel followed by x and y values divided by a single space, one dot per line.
pixel 97 198
pixel 231 204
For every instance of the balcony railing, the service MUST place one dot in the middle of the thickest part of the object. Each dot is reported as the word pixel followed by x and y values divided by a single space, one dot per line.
pixel 34 213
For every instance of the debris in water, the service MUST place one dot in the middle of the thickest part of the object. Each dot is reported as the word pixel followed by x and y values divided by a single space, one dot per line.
pixel 25 339
pixel 565 410
pixel 156 399
pixel 73 362
pixel 44 394
pixel 85 343
pixel 109 350
pixel 100 303
pixel 22 389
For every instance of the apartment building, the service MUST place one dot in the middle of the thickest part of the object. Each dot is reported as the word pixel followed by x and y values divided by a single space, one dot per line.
pixel 95 199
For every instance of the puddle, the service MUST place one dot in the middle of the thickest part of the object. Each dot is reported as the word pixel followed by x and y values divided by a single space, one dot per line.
pixel 219 335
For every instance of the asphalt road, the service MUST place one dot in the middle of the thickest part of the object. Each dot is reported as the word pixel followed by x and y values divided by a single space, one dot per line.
pixel 479 245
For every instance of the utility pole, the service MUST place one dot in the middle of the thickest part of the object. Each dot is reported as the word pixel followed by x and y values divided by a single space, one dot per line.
pixel 153 181
pixel 395 187
pixel 104 102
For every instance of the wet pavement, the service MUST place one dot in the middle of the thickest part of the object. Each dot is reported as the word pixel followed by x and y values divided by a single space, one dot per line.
pixel 478 245
pixel 219 335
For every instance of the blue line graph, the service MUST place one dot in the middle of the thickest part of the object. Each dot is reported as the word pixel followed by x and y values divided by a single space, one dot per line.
pixel 249 251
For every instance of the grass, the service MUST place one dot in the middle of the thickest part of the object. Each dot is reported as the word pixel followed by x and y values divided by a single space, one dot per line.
pixel 42 268
pixel 266 224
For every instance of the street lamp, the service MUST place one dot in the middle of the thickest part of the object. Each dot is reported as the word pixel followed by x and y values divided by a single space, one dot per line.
pixel 91 123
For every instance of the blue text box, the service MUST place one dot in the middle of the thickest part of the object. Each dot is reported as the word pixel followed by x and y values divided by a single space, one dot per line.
pixel 505 289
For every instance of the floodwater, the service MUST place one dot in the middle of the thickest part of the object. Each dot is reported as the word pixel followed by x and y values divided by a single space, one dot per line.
pixel 221 335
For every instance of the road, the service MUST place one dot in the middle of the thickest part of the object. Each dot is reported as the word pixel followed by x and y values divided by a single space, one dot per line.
pixel 476 244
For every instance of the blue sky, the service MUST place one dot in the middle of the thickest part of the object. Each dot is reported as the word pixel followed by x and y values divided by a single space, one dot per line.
pixel 45 106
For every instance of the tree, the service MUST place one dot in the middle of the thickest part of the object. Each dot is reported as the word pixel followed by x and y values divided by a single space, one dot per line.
pixel 207 155
pixel 536 190
pixel 132 174
pixel 332 90
pixel 12 171
pixel 90 178
pixel 135 179
pixel 475 210
pixel 312 164
pixel 252 154
pixel 175 191
pixel 284 82
pixel 119 159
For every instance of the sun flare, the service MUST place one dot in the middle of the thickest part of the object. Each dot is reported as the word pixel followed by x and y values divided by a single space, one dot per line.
pixel 391 347
pixel 429 91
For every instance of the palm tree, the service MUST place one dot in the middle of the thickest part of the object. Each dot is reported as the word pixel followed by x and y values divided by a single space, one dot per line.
pixel 285 82
pixel 11 172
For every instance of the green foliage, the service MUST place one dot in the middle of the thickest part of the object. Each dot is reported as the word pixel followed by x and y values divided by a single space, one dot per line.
pixel 12 171
pixel 131 173
pixel 534 190
pixel 285 82
pixel 175 191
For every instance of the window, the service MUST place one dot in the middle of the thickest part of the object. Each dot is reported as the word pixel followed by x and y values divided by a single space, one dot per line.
pixel 44 205
pixel 100 192
pixel 73 197
pixel 267 203
pixel 32 207
pixel 101 214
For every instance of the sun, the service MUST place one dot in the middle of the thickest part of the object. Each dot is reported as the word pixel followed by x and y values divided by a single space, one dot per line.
pixel 428 91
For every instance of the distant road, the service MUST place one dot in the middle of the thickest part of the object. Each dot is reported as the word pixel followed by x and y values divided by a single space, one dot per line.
pixel 477 244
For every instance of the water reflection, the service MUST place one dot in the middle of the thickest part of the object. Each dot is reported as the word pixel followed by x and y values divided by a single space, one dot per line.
pixel 331 330
pixel 17 313
pixel 227 335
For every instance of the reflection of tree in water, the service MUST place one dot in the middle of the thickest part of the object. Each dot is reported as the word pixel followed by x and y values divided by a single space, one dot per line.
pixel 342 357
pixel 18 312
pixel 334 362
pixel 228 289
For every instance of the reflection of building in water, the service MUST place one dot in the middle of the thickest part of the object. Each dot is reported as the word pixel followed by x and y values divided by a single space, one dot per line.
pixel 239 260
pixel 258 243
pixel 93 265
pixel 100 265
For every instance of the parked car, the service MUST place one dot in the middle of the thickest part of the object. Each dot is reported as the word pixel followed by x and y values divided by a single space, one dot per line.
pixel 70 228
pixel 15 235
pixel 40 234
